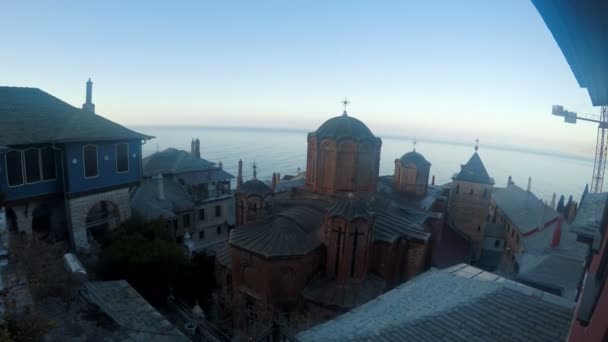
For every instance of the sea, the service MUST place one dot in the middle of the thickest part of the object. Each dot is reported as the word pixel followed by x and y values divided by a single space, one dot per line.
pixel 284 151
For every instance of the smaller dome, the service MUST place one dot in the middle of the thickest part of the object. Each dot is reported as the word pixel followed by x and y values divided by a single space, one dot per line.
pixel 254 187
pixel 414 158
pixel 343 126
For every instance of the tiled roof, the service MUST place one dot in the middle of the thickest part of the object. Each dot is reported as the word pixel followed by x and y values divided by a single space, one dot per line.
pixel 552 270
pixel 462 303
pixel 131 311
pixel 522 208
pixel 288 233
pixel 409 225
pixel 147 202
pixel 590 214
pixel 415 158
pixel 254 187
pixel 173 161
pixel 343 126
pixel 31 116
pixel 474 171
pixel 343 295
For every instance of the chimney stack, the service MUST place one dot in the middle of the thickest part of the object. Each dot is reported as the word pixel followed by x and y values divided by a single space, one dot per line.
pixel 278 177
pixel 197 148
pixel 510 181
pixel 220 165
pixel 161 186
pixel 239 177
pixel 255 171
pixel 433 180
pixel 274 181
pixel 553 201
pixel 299 171
pixel 529 184
pixel 557 234
pixel 88 105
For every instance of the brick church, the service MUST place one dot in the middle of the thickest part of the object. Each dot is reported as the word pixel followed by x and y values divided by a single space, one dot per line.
pixel 339 236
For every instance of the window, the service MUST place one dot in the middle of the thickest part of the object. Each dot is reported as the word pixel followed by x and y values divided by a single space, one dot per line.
pixel 122 157
pixel 219 229
pixel 90 161
pixel 32 165
pixel 49 168
pixel 14 168
pixel 186 221
pixel 497 243
pixel 485 193
pixel 201 235
pixel 471 191
pixel 478 228
pixel 180 239
pixel 201 214
pixel 218 211
pixel 457 188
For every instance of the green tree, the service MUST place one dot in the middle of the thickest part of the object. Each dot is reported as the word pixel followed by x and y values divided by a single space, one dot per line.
pixel 141 252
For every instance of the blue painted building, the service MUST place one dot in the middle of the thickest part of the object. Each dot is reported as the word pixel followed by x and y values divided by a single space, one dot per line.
pixel 65 172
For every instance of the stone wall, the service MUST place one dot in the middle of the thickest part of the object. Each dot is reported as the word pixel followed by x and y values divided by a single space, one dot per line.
pixel 80 207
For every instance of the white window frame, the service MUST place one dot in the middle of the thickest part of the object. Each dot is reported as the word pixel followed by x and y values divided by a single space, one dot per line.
pixel 23 180
pixel 84 162
pixel 42 167
pixel 116 153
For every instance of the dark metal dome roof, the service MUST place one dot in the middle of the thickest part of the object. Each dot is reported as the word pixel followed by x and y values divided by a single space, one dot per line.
pixel 343 126
pixel 415 158
pixel 254 187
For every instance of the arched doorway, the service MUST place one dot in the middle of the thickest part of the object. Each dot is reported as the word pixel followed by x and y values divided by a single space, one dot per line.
pixel 102 217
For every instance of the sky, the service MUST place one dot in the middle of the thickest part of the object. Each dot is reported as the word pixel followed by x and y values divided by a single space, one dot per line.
pixel 449 70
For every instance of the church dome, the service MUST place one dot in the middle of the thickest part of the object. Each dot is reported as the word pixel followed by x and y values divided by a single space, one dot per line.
pixel 254 187
pixel 414 158
pixel 343 126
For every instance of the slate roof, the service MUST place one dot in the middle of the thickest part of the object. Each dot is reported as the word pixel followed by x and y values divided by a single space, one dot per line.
pixel 489 259
pixel 461 303
pixel 146 200
pixel 291 232
pixel 31 116
pixel 343 126
pixel 385 189
pixel 208 176
pixel 174 161
pixel 254 187
pixel 351 208
pixel 223 253
pixel 553 270
pixel 343 295
pixel 522 208
pixel 409 225
pixel 415 158
pixel 474 171
pixel 131 311
pixel 590 215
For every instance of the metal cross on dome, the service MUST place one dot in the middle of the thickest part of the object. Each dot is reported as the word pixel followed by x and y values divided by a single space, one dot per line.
pixel 345 102
pixel 414 143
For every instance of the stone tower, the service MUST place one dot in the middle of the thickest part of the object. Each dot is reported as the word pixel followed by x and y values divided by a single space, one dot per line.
pixel 469 202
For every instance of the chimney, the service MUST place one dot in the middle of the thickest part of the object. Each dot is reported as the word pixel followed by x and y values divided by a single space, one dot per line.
pixel 553 201
pixel 255 171
pixel 197 149
pixel 192 150
pixel 88 105
pixel 433 180
pixel 529 184
pixel 274 181
pixel 220 165
pixel 299 171
pixel 278 177
pixel 557 234
pixel 510 181
pixel 239 177
pixel 160 182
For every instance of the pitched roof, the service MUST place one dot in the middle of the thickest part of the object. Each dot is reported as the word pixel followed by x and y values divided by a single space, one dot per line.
pixel 522 208
pixel 462 303
pixel 223 253
pixel 31 116
pixel 409 225
pixel 552 270
pixel 147 202
pixel 174 161
pixel 288 233
pixel 131 311
pixel 590 215
pixel 474 171
pixel 350 208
